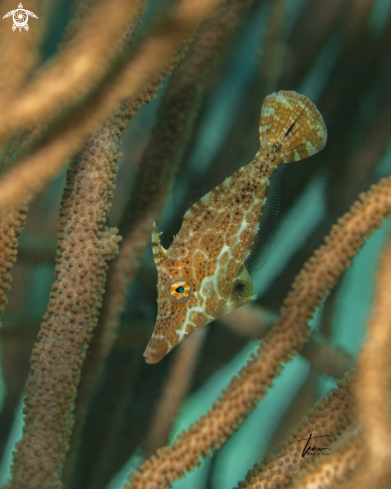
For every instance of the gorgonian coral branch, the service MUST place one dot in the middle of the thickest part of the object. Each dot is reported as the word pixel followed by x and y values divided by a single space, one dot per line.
pixel 85 244
pixel 318 275
pixel 11 225
pixel 326 420
pixel 327 473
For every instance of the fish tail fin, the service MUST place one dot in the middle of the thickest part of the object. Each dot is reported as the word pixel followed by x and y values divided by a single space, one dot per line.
pixel 293 125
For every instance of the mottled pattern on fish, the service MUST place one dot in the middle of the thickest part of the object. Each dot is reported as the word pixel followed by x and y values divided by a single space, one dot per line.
pixel 203 274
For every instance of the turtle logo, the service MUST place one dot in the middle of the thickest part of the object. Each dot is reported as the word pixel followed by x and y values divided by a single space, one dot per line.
pixel 20 17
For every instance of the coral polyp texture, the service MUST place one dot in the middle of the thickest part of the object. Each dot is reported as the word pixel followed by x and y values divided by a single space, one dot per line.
pixel 111 113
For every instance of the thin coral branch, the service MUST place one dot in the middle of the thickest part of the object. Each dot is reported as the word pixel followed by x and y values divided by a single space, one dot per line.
pixel 326 358
pixel 11 225
pixel 250 320
pixel 272 58
pixel 308 27
pixel 311 285
pixel 254 322
pixel 174 392
pixel 15 353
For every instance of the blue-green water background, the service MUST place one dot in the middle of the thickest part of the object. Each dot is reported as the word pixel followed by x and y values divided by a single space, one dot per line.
pixel 355 291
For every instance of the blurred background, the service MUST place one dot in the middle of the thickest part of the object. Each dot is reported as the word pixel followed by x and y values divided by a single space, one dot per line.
pixel 337 53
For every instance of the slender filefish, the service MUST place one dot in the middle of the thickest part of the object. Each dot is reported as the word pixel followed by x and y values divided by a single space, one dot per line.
pixel 203 274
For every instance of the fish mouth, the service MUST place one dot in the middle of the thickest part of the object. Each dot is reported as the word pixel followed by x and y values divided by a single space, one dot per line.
pixel 157 348
pixel 150 359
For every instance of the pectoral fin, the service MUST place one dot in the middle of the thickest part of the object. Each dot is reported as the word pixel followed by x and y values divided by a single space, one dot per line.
pixel 242 289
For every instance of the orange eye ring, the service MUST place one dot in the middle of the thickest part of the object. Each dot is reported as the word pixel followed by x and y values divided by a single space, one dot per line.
pixel 178 290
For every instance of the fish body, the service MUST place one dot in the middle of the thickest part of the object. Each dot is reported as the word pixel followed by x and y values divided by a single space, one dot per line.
pixel 203 275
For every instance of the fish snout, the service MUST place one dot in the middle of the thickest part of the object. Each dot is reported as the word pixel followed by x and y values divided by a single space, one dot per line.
pixel 157 348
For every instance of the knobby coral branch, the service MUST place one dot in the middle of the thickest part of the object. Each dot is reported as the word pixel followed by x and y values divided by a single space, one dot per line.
pixel 11 224
pixel 319 274
pixel 326 420
pixel 326 473
pixel 10 227
pixel 79 102
pixel 85 244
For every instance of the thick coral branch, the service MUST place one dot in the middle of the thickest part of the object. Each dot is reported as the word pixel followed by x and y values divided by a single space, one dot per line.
pixel 85 244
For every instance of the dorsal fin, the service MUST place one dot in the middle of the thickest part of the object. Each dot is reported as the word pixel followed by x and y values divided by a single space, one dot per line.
pixel 182 203
pixel 267 226
pixel 293 125
pixel 159 253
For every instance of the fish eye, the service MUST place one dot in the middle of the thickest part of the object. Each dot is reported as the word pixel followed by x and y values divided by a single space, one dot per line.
pixel 178 290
